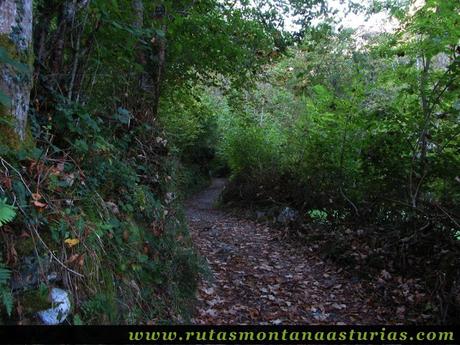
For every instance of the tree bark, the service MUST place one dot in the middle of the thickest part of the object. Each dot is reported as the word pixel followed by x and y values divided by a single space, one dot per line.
pixel 159 44
pixel 43 15
pixel 16 39
pixel 66 21
pixel 80 74
pixel 78 54
pixel 138 7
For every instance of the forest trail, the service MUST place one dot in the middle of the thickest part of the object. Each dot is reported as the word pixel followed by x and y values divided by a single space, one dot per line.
pixel 258 278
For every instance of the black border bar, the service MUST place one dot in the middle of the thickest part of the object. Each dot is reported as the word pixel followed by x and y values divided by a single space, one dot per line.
pixel 436 335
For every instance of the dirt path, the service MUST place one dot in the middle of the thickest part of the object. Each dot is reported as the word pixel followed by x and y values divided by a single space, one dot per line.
pixel 258 278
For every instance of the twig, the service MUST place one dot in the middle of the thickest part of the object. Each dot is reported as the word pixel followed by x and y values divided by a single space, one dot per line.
pixel 448 215
pixel 52 254
pixel 351 202
pixel 16 171
pixel 4 162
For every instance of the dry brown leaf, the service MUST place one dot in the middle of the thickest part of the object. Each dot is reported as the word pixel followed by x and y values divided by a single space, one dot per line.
pixel 72 258
pixel 7 182
pixel 81 260
pixel 36 196
pixel 39 205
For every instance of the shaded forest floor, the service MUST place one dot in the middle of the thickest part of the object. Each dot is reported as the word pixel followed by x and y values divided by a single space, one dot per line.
pixel 261 277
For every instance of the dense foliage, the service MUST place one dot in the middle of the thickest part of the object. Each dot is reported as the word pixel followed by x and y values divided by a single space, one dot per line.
pixel 362 132
pixel 136 104
pixel 97 185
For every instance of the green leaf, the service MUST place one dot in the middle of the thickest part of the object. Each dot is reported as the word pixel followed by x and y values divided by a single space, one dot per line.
pixel 5 293
pixel 161 33
pixel 77 321
pixel 7 299
pixel 21 193
pixel 123 116
pixel 5 274
pixel 81 146
pixel 7 214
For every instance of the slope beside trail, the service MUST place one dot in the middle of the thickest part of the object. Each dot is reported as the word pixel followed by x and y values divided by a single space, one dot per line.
pixel 259 278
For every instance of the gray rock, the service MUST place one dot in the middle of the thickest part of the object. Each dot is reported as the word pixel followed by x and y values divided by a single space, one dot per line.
pixel 60 308
pixel 288 215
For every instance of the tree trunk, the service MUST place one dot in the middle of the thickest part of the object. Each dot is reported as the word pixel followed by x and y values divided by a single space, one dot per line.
pixel 43 15
pixel 419 160
pixel 66 23
pixel 78 53
pixel 64 19
pixel 16 84
pixel 138 7
pixel 159 44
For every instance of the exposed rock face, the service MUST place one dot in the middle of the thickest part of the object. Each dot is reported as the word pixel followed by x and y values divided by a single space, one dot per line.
pixel 16 41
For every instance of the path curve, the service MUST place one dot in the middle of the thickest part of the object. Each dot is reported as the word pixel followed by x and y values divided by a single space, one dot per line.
pixel 259 278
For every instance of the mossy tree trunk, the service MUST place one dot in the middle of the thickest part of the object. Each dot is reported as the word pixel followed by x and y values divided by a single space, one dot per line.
pixel 16 40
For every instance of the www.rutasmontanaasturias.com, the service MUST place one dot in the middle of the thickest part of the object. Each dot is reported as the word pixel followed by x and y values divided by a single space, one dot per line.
pixel 293 336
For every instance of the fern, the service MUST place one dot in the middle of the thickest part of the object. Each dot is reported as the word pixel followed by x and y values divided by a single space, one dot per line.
pixel 7 300
pixel 5 294
pixel 7 212
pixel 5 274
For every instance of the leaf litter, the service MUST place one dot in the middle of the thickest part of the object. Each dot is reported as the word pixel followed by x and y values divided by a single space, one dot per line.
pixel 259 278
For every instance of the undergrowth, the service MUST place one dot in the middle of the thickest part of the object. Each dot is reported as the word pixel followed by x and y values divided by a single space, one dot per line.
pixel 100 216
pixel 337 132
